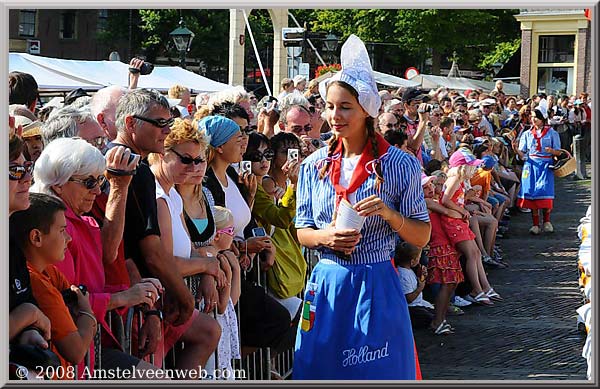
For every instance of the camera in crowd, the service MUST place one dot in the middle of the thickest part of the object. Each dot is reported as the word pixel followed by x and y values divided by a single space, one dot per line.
pixel 427 109
pixel 146 69
pixel 70 299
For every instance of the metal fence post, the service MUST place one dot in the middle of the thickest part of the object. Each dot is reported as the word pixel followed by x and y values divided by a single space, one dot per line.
pixel 579 154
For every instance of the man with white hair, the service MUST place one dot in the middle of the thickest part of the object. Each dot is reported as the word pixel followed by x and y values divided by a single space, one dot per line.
pixel 69 122
pixel 104 106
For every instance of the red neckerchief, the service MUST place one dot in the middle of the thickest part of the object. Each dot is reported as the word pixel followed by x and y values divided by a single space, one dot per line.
pixel 361 173
pixel 539 138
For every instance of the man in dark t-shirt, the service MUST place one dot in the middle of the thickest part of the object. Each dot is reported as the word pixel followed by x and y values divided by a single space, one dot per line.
pixel 143 122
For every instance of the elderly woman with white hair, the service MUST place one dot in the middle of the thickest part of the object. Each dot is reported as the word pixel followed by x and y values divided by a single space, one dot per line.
pixel 73 170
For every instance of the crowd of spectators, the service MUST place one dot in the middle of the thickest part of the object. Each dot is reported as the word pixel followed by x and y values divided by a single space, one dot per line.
pixel 129 199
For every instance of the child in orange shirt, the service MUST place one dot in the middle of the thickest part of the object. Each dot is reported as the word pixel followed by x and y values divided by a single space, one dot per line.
pixel 41 233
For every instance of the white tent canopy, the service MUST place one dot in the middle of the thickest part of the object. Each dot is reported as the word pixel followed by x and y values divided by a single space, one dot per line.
pixel 56 74
pixel 428 81
pixel 48 79
pixel 389 80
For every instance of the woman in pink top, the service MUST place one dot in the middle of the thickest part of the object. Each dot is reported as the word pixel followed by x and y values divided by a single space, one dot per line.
pixel 72 170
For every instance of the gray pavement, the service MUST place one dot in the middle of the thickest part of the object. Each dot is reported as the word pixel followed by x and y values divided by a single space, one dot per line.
pixel 533 334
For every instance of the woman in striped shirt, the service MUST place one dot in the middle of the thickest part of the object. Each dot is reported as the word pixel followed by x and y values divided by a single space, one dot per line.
pixel 355 317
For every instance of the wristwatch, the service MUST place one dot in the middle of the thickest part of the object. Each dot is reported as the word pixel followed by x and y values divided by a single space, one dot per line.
pixel 156 312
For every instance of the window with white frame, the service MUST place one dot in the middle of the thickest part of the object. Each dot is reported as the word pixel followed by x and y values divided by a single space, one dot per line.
pixel 27 22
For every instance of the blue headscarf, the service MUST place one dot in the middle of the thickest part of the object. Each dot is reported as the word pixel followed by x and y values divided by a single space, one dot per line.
pixel 219 128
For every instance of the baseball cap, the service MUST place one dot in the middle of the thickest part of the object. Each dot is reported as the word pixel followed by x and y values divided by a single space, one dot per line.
pixel 425 179
pixel 488 162
pixel 411 94
pixel 74 95
pixel 463 156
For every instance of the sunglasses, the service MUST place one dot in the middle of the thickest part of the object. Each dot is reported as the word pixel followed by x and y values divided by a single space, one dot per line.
pixel 248 130
pixel 227 230
pixel 463 112
pixel 391 126
pixel 17 172
pixel 90 182
pixel 311 109
pixel 188 160
pixel 160 123
pixel 299 129
pixel 257 156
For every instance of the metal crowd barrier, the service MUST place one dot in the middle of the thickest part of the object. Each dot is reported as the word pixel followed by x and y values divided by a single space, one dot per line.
pixel 258 365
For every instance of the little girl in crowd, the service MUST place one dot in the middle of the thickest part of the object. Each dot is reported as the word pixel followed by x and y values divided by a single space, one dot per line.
pixel 229 344
pixel 443 267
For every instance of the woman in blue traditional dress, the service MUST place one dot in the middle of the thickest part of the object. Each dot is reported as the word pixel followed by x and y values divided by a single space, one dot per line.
pixel 537 147
pixel 355 322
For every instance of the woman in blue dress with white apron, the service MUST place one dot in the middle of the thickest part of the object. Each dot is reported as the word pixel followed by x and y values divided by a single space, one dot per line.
pixel 537 147
pixel 355 322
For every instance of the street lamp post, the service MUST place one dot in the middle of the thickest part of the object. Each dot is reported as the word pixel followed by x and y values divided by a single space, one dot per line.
pixel 182 37
pixel 330 45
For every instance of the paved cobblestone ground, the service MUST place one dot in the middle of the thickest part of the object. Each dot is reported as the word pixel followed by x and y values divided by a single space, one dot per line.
pixel 533 333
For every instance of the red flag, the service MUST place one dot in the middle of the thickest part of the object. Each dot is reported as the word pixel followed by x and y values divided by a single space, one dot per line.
pixel 588 14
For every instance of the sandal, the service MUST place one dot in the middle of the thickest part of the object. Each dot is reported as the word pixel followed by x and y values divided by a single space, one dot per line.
pixel 443 329
pixel 481 299
pixel 449 325
pixel 493 295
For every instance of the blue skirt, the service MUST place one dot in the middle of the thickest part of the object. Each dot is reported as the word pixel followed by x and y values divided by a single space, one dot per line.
pixel 355 325
pixel 537 183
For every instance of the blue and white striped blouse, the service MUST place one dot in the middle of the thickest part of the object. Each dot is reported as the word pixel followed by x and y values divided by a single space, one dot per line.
pixel 401 191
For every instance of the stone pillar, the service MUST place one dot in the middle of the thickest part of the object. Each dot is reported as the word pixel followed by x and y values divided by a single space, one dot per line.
pixel 237 28
pixel 525 62
pixel 280 20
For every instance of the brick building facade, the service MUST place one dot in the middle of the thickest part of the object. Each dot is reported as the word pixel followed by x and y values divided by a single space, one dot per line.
pixel 68 34
pixel 555 51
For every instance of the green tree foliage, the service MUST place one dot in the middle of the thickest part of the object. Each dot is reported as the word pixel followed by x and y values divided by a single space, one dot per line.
pixel 151 38
pixel 502 53
pixel 421 33
pixel 402 37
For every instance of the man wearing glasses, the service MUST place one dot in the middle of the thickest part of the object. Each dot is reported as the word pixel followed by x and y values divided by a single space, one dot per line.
pixel 71 122
pixel 143 121
pixel 387 121
pixel 296 119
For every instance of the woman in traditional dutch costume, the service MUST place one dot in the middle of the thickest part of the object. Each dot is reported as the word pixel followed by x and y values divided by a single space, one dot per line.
pixel 537 146
pixel 355 322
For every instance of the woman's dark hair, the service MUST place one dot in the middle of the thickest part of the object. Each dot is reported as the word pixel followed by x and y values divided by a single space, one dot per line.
pixel 39 215
pixel 230 110
pixel 405 253
pixel 370 124
pixel 256 140
pixel 432 166
pixel 479 150
pixel 284 139
pixel 395 137
pixel 539 115
pixel 15 147
pixel 22 88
